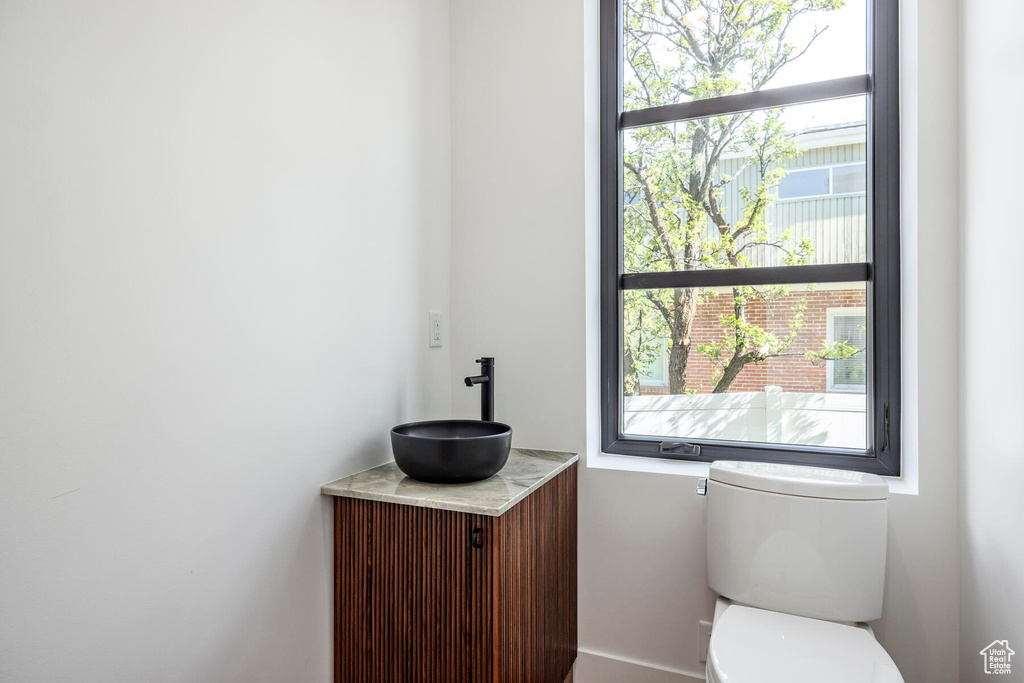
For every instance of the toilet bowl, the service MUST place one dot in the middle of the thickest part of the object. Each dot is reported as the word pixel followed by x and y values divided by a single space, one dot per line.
pixel 797 556
pixel 750 645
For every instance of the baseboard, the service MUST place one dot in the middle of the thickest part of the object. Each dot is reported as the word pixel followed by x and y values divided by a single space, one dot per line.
pixel 600 667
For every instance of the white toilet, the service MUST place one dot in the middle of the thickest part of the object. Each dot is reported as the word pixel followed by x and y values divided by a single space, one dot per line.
pixel 797 556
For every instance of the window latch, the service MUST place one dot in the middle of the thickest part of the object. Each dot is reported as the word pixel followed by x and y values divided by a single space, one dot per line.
pixel 678 448
pixel 885 433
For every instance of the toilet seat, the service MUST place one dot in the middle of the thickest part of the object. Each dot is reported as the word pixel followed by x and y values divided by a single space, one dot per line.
pixel 751 645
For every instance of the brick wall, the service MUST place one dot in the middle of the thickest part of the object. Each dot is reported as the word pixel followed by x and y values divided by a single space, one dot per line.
pixel 793 373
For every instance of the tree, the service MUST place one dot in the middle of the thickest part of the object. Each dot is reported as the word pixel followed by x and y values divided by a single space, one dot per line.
pixel 679 50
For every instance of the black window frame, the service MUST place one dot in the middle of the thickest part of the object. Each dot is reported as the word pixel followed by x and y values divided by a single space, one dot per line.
pixel 881 274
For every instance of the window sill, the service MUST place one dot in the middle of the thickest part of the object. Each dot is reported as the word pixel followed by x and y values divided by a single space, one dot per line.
pixel 632 463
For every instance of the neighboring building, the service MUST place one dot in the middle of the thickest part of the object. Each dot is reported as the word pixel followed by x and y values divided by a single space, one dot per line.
pixel 823 199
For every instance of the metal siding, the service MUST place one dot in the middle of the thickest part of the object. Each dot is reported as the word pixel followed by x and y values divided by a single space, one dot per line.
pixel 836 226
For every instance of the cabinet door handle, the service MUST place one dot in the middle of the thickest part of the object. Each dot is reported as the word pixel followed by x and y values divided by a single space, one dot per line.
pixel 475 538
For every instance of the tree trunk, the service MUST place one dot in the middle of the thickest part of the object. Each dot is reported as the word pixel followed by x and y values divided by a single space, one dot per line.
pixel 677 358
pixel 732 370
pixel 741 357
pixel 685 303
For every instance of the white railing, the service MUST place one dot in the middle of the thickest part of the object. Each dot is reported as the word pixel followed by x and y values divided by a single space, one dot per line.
pixel 771 416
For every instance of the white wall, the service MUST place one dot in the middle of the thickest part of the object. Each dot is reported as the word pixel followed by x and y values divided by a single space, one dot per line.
pixel 523 288
pixel 221 226
pixel 920 622
pixel 194 201
pixel 518 192
pixel 993 432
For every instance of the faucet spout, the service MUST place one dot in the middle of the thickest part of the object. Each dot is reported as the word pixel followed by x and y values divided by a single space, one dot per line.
pixel 486 391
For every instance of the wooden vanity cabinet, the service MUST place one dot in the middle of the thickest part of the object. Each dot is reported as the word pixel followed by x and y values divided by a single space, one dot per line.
pixel 430 596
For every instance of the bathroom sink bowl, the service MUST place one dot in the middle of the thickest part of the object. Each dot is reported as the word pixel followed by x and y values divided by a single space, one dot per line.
pixel 451 451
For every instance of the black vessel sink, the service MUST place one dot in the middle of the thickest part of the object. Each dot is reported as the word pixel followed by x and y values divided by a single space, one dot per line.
pixel 451 451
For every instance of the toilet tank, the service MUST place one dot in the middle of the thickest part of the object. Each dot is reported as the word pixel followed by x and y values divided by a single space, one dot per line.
pixel 802 540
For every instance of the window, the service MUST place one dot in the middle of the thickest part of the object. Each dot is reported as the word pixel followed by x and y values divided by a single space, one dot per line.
pixel 830 181
pixel 813 182
pixel 741 319
pixel 848 179
pixel 655 370
pixel 848 326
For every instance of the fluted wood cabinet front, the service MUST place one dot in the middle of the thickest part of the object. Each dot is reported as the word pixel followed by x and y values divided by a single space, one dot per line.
pixel 432 596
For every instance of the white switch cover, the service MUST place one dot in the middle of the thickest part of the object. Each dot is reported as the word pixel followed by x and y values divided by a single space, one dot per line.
pixel 703 640
pixel 434 332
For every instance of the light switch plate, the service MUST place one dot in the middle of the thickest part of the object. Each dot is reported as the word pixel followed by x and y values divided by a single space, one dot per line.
pixel 435 330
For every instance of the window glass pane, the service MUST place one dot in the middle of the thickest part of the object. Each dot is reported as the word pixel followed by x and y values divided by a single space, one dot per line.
pixel 679 50
pixel 810 183
pixel 849 179
pixel 703 194
pixel 746 364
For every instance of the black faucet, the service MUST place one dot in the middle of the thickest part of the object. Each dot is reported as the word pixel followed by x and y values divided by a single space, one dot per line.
pixel 486 391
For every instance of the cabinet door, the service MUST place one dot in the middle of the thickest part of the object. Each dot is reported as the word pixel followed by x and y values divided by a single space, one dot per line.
pixel 536 596
pixel 414 594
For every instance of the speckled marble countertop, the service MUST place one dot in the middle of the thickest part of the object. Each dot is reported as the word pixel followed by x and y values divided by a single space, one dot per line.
pixel 525 472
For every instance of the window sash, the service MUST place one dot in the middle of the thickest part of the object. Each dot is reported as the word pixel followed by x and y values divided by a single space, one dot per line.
pixel 753 276
pixel 882 273
pixel 818 91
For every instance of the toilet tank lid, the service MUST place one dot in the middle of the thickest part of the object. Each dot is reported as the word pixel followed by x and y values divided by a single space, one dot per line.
pixel 799 480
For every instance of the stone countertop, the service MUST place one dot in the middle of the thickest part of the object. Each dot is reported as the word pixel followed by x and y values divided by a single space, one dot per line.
pixel 525 472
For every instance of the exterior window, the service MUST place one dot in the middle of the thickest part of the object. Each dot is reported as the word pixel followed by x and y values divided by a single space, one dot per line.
pixel 655 376
pixel 750 237
pixel 850 179
pixel 811 183
pixel 848 326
